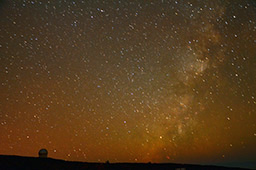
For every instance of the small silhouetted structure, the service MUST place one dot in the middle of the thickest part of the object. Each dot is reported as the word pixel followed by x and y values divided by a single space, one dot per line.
pixel 43 153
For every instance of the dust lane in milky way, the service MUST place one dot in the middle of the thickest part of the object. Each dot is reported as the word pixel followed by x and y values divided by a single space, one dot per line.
pixel 133 81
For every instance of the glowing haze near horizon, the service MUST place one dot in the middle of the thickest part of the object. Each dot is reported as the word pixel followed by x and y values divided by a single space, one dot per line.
pixel 133 81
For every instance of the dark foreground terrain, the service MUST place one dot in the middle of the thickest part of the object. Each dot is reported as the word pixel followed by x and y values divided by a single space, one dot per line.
pixel 19 162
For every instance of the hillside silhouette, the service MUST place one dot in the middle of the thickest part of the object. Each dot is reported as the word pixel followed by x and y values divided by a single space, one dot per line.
pixel 35 163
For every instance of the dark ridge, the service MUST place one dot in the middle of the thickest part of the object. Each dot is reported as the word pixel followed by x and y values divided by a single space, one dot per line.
pixel 33 163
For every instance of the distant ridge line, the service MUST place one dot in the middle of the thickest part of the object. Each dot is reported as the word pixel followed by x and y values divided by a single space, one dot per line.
pixel 14 162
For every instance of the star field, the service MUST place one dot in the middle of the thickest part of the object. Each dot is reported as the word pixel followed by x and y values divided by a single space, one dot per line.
pixel 129 81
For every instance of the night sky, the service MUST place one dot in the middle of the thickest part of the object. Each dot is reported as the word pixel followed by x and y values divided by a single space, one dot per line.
pixel 129 81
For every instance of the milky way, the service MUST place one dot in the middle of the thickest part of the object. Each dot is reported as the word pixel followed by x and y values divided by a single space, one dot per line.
pixel 133 81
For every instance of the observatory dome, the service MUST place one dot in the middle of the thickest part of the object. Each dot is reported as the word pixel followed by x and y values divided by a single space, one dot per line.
pixel 43 153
